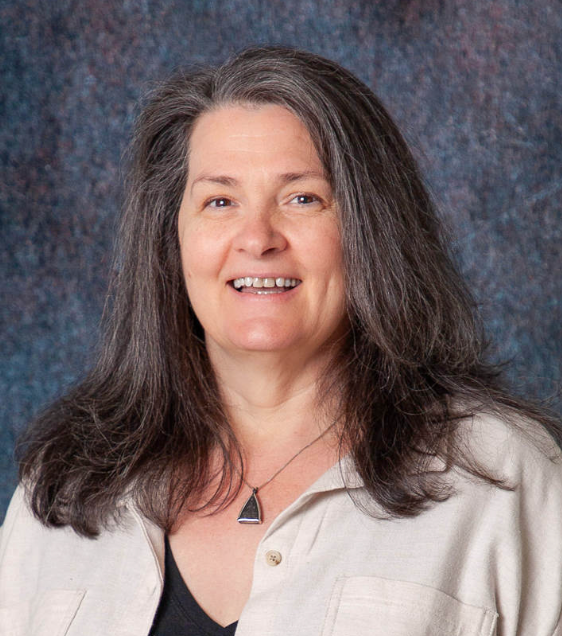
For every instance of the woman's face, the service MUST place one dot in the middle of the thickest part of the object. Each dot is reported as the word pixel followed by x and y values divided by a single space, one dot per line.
pixel 258 216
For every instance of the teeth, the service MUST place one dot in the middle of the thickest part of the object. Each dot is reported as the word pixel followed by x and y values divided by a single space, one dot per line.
pixel 252 281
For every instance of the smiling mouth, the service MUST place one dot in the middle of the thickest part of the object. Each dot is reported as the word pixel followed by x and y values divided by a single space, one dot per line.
pixel 256 285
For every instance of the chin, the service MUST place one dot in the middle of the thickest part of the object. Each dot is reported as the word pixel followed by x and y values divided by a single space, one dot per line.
pixel 265 337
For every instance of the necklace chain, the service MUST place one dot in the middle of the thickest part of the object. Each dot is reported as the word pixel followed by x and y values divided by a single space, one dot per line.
pixel 316 439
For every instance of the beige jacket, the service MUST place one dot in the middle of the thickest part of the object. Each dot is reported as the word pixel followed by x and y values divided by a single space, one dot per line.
pixel 487 561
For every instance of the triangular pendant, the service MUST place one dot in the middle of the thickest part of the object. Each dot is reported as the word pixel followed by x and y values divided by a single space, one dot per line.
pixel 251 512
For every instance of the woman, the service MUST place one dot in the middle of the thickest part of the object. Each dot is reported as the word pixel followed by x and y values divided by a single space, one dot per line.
pixel 290 428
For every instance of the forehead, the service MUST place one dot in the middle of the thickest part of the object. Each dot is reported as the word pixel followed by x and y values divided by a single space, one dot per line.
pixel 239 136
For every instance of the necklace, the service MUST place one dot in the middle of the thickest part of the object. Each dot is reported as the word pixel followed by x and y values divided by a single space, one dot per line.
pixel 251 510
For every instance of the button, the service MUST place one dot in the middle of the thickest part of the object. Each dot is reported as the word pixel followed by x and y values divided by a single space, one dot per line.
pixel 272 557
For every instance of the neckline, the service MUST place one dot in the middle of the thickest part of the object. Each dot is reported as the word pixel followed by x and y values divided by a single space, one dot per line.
pixel 342 475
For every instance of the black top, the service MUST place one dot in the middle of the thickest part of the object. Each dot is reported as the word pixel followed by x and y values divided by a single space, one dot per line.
pixel 179 613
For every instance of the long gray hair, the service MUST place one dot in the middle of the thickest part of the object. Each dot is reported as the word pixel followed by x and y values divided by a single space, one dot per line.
pixel 145 419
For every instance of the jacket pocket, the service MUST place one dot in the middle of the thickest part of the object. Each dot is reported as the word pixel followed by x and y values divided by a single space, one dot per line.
pixel 364 605
pixel 50 614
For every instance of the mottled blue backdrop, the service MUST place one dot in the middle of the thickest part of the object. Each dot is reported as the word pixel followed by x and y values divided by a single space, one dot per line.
pixel 473 83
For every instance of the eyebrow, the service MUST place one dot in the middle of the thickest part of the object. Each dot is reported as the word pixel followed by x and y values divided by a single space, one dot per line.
pixel 286 177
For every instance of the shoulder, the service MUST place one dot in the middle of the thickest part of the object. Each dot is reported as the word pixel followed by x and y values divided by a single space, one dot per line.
pixel 510 447
pixel 521 518
pixel 47 573
pixel 34 556
pixel 16 514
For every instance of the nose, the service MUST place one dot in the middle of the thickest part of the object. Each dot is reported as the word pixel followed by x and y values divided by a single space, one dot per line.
pixel 260 234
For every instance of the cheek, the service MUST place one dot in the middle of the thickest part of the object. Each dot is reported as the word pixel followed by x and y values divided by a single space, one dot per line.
pixel 202 258
pixel 330 259
pixel 199 254
pixel 187 261
pixel 195 267
pixel 327 254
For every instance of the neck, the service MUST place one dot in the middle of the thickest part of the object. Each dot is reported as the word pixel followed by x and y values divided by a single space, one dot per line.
pixel 272 396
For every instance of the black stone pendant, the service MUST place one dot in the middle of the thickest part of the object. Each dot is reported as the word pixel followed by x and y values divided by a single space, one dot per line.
pixel 251 512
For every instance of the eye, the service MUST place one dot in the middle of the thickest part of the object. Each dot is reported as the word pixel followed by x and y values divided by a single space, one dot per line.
pixel 305 199
pixel 218 202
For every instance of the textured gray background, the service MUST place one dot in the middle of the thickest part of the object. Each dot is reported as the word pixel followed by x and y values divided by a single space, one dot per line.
pixel 473 83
